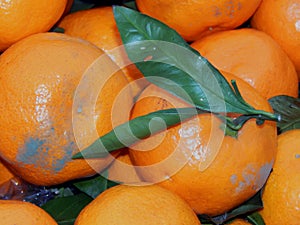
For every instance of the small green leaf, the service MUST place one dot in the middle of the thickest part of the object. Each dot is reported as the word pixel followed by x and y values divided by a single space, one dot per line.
pixel 255 219
pixel 64 192
pixel 66 209
pixel 132 131
pixel 253 204
pixel 94 186
pixel 81 5
pixel 57 30
pixel 289 110
pixel 130 4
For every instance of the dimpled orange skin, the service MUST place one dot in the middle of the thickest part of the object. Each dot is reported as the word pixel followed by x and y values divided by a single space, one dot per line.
pixel 254 57
pixel 194 19
pixel 281 20
pixel 39 77
pixel 238 171
pixel 137 205
pixel 13 212
pixel 21 18
pixel 98 26
pixel 281 196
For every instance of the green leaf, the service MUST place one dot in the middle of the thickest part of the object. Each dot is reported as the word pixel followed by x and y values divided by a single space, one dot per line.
pixel 94 186
pixel 166 60
pixel 289 110
pixel 81 5
pixel 66 209
pixel 64 192
pixel 251 205
pixel 132 131
pixel 57 29
pixel 255 219
pixel 130 4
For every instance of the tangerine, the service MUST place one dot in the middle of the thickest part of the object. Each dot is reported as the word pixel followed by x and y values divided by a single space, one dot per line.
pixel 253 56
pixel 212 171
pixel 281 20
pixel 98 26
pixel 195 19
pixel 281 196
pixel 21 18
pixel 42 123
pixel 140 205
pixel 14 212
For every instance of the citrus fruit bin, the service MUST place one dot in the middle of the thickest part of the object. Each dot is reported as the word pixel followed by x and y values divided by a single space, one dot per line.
pixel 149 112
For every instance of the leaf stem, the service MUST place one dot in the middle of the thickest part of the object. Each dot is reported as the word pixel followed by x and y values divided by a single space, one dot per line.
pixel 237 123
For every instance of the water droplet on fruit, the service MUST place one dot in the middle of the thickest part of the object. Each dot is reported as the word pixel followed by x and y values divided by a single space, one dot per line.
pixel 297 25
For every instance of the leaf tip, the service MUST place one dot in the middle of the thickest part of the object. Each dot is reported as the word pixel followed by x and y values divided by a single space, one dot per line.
pixel 115 7
pixel 77 156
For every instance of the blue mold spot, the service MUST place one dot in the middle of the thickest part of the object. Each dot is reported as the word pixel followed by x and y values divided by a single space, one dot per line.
pixel 233 178
pixel 36 152
pixel 264 173
pixel 29 153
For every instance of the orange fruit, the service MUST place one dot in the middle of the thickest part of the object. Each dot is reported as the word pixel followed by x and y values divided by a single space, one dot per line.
pixel 98 26
pixel 140 205
pixel 194 19
pixel 47 114
pixel 253 56
pixel 122 170
pixel 21 18
pixel 281 196
pixel 5 173
pixel 212 171
pixel 14 212
pixel 281 20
